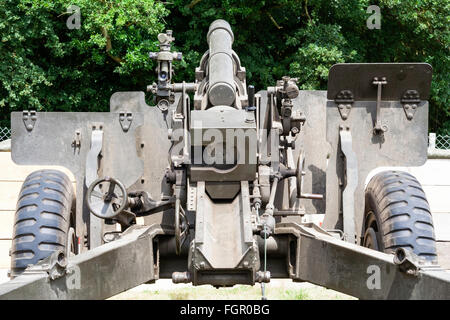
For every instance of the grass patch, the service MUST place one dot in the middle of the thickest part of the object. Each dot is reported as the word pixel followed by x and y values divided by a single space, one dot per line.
pixel 238 292
pixel 291 294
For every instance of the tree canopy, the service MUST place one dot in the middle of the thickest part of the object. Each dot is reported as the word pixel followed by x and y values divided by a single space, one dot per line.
pixel 44 65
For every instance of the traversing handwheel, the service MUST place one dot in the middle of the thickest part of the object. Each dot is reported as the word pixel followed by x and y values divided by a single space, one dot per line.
pixel 107 197
pixel 300 173
pixel 181 226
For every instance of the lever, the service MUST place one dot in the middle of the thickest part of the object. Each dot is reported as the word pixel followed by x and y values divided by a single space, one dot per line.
pixel 379 128
pixel 251 98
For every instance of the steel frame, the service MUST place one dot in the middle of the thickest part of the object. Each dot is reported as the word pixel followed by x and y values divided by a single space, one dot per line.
pixel 320 258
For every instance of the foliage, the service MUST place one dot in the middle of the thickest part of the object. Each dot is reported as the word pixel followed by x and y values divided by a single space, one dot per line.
pixel 42 63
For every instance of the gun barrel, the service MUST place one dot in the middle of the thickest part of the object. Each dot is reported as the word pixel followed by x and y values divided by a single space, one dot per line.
pixel 221 67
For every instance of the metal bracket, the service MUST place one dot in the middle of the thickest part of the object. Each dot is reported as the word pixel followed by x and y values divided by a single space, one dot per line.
pixel 94 153
pixel 76 143
pixel 177 117
pixel 410 263
pixel 344 101
pixel 192 197
pixel 54 265
pixel 351 172
pixel 407 261
pixel 29 119
pixel 125 119
pixel 379 128
pixel 410 101
pixel 92 166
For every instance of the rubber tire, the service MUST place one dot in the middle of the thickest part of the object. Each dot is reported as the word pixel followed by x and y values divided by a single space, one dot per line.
pixel 397 214
pixel 42 219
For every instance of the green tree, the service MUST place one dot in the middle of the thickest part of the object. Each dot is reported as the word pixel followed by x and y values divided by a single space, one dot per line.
pixel 46 66
pixel 304 39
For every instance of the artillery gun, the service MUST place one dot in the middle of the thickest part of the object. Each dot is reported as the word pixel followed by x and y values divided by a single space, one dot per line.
pixel 226 188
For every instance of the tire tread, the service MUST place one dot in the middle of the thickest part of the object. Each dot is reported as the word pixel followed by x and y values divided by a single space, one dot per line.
pixel 45 198
pixel 403 213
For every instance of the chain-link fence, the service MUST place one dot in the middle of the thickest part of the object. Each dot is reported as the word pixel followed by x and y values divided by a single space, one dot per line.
pixel 443 142
pixel 439 141
pixel 438 146
pixel 5 133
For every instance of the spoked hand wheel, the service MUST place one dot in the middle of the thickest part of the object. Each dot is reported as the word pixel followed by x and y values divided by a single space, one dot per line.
pixel 300 173
pixel 181 226
pixel 107 197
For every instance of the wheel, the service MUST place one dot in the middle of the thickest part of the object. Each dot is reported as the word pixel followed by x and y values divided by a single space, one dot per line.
pixel 300 173
pixel 42 222
pixel 397 214
pixel 107 198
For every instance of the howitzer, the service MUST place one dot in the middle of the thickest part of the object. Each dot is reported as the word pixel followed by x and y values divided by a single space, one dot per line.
pixel 226 190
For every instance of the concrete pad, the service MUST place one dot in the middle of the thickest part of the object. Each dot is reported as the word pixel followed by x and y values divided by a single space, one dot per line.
pixel 435 172
pixel 4 275
pixel 6 224
pixel 5 145
pixel 441 223
pixel 5 260
pixel 438 197
pixel 443 249
pixel 13 172
pixel 9 191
